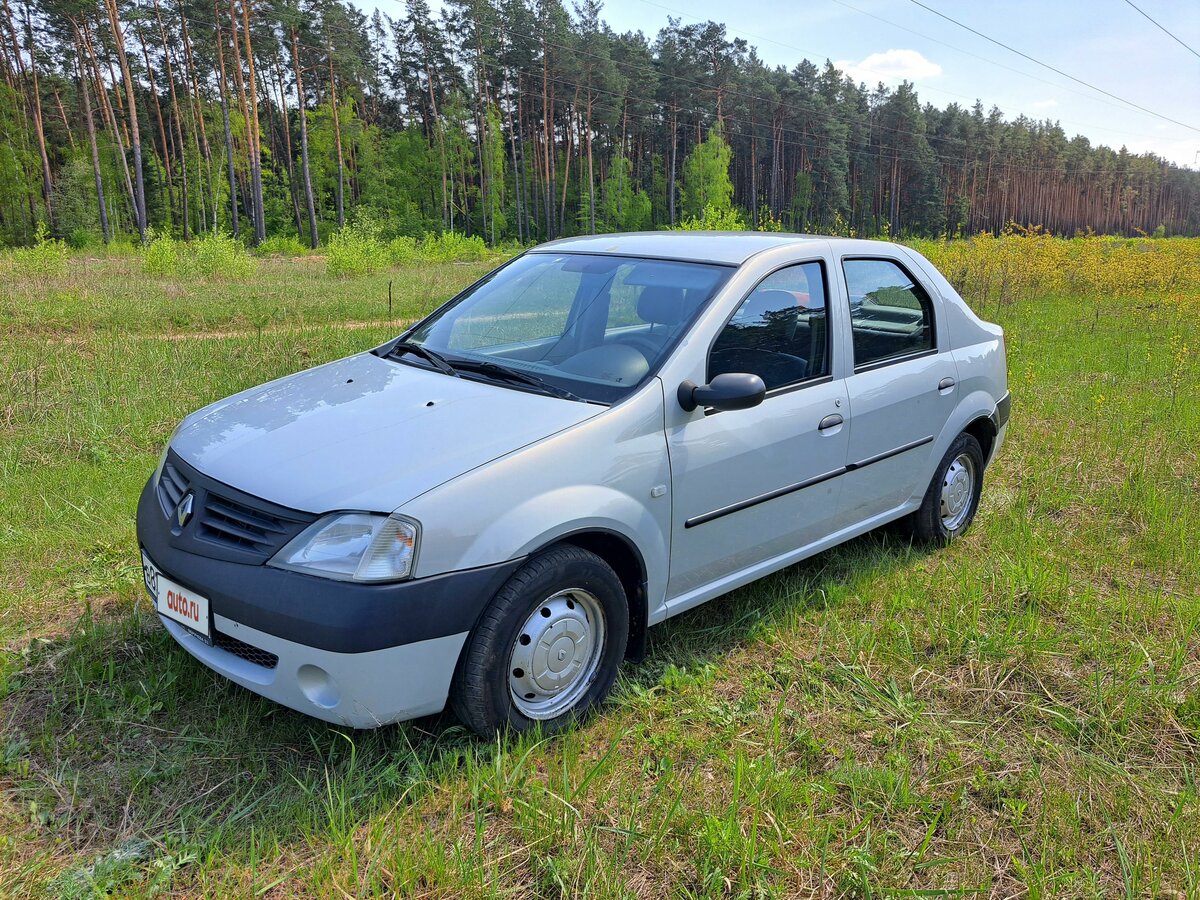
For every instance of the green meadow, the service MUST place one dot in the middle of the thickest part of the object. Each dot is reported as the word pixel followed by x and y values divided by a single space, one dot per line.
pixel 1015 715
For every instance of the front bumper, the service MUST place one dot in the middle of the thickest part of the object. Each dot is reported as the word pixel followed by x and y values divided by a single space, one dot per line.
pixel 361 690
pixel 357 654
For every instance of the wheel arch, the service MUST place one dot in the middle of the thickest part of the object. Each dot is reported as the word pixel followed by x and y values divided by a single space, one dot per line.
pixel 626 560
pixel 983 429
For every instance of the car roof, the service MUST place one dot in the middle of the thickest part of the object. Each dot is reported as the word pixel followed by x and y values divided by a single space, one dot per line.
pixel 731 248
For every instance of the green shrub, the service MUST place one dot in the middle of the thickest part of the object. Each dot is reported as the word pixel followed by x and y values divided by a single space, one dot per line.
pixel 215 255
pixel 46 258
pixel 161 256
pixel 402 250
pixel 83 239
pixel 357 249
pixel 450 246
pixel 283 245
pixel 713 220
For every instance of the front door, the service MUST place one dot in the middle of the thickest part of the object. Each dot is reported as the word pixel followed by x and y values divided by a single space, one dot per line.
pixel 752 485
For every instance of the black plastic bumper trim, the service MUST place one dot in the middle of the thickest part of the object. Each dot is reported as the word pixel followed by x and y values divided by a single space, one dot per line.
pixel 1003 408
pixel 340 616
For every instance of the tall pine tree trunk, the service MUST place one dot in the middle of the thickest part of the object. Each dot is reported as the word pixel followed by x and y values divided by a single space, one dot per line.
pixel 337 138
pixel 198 116
pixel 277 71
pixel 35 104
pixel 304 169
pixel 260 225
pixel 162 132
pixel 223 88
pixel 135 134
pixel 85 94
pixel 110 118
pixel 591 170
pixel 180 146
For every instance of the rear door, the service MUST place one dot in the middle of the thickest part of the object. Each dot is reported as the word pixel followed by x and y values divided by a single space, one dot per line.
pixel 902 389
pixel 751 485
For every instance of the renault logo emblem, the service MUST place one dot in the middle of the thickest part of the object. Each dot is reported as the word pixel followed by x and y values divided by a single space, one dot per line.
pixel 183 512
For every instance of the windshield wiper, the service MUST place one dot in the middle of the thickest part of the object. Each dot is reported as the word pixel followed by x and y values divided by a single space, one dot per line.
pixel 495 370
pixel 435 359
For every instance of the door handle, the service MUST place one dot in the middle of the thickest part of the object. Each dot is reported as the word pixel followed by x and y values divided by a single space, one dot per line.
pixel 945 384
pixel 830 421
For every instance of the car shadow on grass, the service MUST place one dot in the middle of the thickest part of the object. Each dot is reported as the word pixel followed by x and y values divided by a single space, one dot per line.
pixel 115 733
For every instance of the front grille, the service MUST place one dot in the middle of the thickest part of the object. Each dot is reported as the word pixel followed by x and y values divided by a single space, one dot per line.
pixel 226 522
pixel 248 652
pixel 229 522
pixel 172 484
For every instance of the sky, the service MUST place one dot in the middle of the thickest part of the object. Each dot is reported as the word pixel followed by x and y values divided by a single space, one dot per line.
pixel 1105 43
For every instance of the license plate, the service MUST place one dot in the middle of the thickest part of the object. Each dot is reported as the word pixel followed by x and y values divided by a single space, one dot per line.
pixel 175 601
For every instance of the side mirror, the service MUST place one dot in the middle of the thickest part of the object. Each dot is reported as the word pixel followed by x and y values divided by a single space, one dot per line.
pixel 732 390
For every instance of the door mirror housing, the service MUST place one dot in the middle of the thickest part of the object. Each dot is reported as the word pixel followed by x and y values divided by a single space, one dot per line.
pixel 732 390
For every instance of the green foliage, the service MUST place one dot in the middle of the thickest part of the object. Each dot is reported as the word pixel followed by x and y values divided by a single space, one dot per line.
pixel 360 247
pixel 712 219
pixel 75 209
pixel 213 256
pixel 83 239
pixel 493 167
pixel 450 246
pixel 706 185
pixel 45 259
pixel 357 249
pixel 162 255
pixel 402 250
pixel 623 206
pixel 216 255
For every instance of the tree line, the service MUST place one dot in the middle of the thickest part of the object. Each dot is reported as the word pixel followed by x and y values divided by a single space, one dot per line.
pixel 508 119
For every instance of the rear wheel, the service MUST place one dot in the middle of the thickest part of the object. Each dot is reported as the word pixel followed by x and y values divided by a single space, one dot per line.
pixel 952 499
pixel 547 648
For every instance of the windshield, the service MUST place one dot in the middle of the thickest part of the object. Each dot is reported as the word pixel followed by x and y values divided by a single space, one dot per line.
pixel 593 326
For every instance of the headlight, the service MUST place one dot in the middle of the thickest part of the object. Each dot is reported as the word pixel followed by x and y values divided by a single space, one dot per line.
pixel 353 547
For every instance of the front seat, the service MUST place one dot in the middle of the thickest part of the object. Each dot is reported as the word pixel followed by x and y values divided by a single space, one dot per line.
pixel 663 308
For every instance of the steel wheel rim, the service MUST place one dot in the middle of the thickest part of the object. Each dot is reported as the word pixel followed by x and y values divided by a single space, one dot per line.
pixel 958 491
pixel 556 654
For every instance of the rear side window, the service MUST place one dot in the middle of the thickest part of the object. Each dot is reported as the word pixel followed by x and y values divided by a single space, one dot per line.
pixel 779 331
pixel 891 315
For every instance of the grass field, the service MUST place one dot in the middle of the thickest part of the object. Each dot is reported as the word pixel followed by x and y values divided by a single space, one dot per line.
pixel 1017 715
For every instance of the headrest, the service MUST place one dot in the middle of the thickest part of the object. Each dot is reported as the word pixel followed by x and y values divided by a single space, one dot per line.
pixel 661 305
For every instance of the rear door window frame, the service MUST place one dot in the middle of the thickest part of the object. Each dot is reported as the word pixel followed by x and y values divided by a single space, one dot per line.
pixel 924 297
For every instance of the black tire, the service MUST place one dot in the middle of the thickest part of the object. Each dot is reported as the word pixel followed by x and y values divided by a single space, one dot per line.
pixel 927 525
pixel 481 696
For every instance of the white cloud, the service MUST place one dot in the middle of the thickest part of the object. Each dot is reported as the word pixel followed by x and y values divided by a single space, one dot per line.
pixel 1044 104
pixel 890 67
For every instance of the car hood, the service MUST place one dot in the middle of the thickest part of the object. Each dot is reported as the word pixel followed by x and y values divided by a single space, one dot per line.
pixel 364 433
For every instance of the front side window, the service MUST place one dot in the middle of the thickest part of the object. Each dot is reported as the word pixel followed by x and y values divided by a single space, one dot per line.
pixel 594 326
pixel 779 331
pixel 890 314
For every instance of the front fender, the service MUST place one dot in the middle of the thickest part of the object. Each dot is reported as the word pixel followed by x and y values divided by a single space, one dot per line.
pixel 608 474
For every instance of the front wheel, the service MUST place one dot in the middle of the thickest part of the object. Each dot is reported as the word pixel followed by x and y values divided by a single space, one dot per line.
pixel 548 647
pixel 952 499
